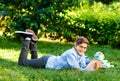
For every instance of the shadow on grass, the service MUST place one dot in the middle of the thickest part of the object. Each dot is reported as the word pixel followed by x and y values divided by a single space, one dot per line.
pixel 11 71
pixel 5 63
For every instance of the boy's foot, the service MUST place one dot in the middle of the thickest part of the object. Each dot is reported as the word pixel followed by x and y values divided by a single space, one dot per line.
pixel 24 34
pixel 34 37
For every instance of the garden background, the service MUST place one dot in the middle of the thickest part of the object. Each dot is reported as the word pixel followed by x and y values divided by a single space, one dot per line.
pixel 59 21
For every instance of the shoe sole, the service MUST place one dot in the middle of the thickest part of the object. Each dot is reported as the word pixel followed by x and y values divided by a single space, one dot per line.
pixel 23 32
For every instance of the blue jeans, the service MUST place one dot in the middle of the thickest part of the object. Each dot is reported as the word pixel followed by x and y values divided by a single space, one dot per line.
pixel 34 62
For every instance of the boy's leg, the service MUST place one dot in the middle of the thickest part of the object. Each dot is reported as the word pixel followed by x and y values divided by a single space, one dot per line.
pixel 24 52
pixel 93 65
pixel 33 48
pixel 33 44
pixel 26 45
pixel 37 63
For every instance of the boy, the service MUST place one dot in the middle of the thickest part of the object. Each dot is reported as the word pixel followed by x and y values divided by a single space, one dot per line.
pixel 72 58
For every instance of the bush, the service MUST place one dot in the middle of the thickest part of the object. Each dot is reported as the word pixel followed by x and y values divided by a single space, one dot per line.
pixel 105 1
pixel 100 23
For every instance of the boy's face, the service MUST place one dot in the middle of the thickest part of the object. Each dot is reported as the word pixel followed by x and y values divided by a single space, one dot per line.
pixel 81 48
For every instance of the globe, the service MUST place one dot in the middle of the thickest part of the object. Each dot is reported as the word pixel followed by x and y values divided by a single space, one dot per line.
pixel 99 55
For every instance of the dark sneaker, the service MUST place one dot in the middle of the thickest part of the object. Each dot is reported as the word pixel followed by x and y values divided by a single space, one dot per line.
pixel 34 37
pixel 24 34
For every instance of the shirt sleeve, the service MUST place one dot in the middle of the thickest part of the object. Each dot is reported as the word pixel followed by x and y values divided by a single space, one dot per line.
pixel 72 61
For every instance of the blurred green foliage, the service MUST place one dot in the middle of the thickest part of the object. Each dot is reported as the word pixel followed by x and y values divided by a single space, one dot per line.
pixel 64 19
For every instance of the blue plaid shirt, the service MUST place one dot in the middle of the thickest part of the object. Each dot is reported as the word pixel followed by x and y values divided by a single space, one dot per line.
pixel 69 59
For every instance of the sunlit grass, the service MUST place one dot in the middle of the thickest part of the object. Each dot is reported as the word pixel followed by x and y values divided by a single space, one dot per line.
pixel 11 71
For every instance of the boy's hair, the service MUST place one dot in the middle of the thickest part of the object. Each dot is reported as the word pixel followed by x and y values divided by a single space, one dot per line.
pixel 81 40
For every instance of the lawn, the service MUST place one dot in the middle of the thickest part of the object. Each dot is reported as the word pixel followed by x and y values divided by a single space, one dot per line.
pixel 11 71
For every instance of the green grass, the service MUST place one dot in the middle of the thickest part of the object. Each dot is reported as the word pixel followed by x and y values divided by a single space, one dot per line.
pixel 11 71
